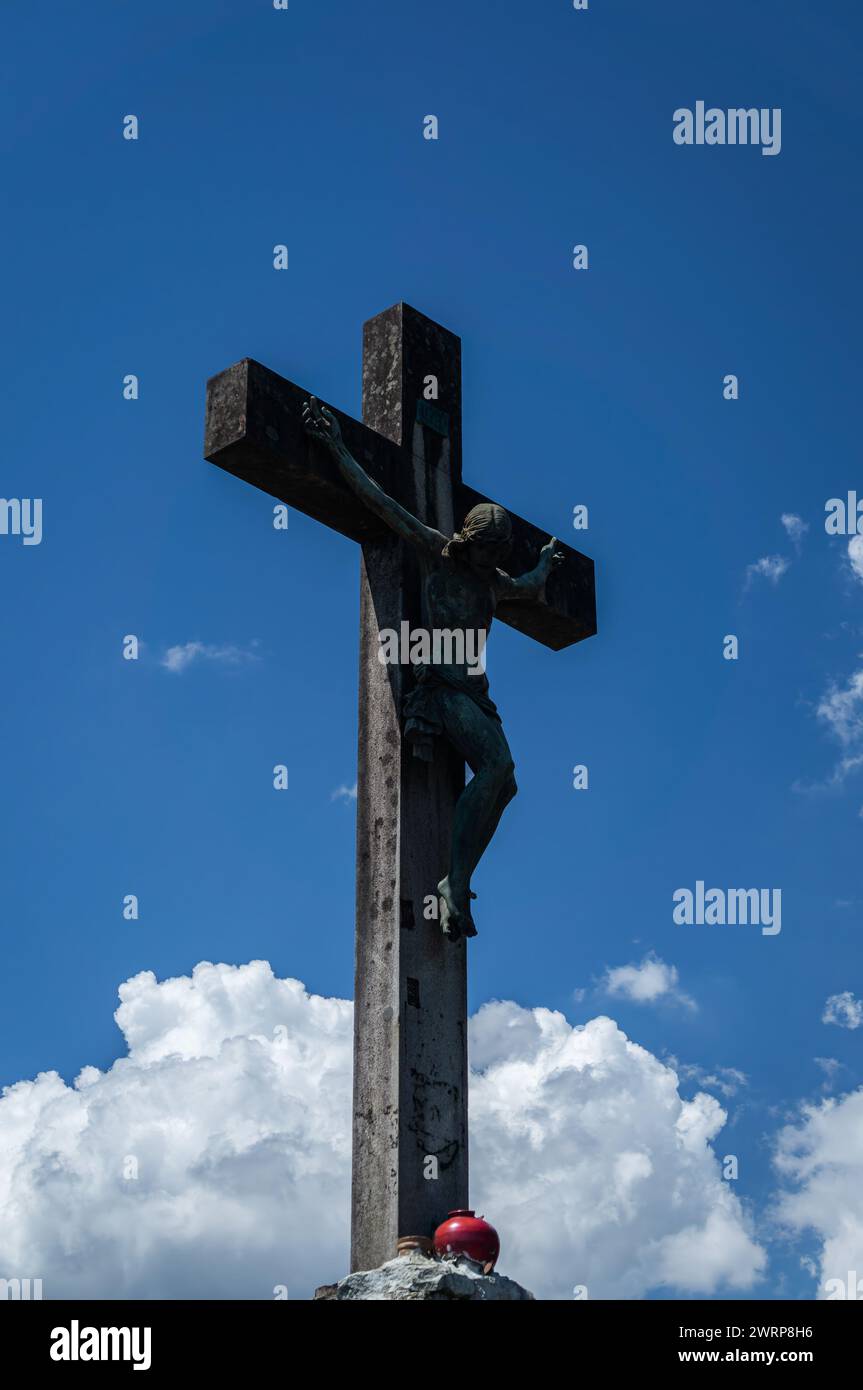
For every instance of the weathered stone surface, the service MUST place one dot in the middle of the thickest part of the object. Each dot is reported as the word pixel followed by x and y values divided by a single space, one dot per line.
pixel 412 1278
pixel 410 1011
pixel 254 429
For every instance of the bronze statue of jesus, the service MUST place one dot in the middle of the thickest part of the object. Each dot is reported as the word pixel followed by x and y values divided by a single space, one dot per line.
pixel 463 584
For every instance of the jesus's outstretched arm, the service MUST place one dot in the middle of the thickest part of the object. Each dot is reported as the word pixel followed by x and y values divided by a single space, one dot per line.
pixel 322 424
pixel 532 585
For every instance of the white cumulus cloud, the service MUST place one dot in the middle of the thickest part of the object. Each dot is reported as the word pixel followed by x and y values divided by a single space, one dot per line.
pixel 855 556
pixel 593 1167
pixel 234 1101
pixel 646 983
pixel 233 1105
pixel 821 1158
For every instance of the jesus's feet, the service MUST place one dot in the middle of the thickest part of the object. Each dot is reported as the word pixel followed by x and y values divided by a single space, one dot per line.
pixel 455 917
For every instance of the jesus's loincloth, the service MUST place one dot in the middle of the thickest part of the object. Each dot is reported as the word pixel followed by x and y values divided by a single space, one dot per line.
pixel 423 709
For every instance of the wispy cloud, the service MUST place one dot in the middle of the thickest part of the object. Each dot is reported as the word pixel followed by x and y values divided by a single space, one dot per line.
pixel 795 526
pixel 843 769
pixel 843 1010
pixel 646 983
pixel 186 654
pixel 769 567
pixel 772 567
pixel 727 1080
pixel 840 711
pixel 831 1068
pixel 344 793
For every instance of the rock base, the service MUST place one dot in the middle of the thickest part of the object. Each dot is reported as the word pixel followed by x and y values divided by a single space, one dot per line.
pixel 414 1276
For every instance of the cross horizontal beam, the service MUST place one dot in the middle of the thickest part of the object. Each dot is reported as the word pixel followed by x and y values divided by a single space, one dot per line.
pixel 254 430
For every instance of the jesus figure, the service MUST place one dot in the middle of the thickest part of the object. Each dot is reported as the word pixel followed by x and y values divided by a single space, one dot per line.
pixel 463 583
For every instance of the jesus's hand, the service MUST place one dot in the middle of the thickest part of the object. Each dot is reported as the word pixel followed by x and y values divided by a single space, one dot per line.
pixel 550 557
pixel 321 424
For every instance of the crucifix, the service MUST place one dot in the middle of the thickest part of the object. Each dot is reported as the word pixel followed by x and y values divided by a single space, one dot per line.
pixel 431 548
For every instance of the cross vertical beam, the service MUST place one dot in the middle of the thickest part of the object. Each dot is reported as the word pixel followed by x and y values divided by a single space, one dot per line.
pixel 410 1044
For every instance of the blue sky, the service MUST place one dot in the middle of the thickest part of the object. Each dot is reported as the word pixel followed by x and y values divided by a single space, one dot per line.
pixel 601 387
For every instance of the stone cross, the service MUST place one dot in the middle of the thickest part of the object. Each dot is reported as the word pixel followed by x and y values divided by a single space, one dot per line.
pixel 410 1150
